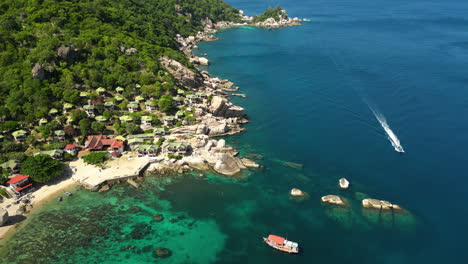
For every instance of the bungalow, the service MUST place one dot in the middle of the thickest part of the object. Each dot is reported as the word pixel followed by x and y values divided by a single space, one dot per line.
pixel 179 114
pixel 12 166
pixel 126 119
pixel 67 107
pixel 42 122
pixel 150 105
pixel 159 132
pixel 109 105
pixel 119 89
pixel 201 95
pixel 192 99
pixel 146 120
pixel 59 135
pixel 133 107
pixel 177 100
pixel 71 149
pixel 169 120
pixel 19 135
pixel 53 112
pixel 70 120
pixel 19 184
pixel 139 99
pixel 84 94
pixel 89 109
pixel 56 154
pixel 2 137
pixel 175 147
pixel 100 90
pixel 101 142
pixel 101 119
pixel 180 92
pixel 134 142
pixel 150 150
pixel 119 98
pixel 137 86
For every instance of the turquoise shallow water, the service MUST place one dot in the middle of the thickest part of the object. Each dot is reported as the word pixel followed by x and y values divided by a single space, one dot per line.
pixel 308 92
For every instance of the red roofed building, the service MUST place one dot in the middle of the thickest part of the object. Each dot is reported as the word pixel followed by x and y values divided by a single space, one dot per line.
pixel 71 149
pixel 19 184
pixel 101 142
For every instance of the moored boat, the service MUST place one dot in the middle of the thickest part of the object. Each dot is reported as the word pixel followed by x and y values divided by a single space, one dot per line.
pixel 280 243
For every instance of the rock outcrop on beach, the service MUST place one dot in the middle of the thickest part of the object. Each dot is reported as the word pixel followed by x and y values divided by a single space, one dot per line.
pixel 379 204
pixel 344 184
pixel 3 216
pixel 333 199
pixel 222 107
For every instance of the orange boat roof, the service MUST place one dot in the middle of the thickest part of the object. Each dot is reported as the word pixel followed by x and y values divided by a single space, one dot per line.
pixel 276 239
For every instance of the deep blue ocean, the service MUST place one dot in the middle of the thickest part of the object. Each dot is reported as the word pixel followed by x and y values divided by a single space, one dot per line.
pixel 312 92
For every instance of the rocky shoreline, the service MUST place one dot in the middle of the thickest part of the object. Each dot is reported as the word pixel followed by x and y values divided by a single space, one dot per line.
pixel 215 117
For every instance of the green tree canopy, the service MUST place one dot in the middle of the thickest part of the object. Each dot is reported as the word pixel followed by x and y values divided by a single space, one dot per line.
pixel 41 168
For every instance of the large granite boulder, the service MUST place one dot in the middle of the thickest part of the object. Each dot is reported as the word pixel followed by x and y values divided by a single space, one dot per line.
pixel 296 192
pixel 67 53
pixel 203 61
pixel 222 107
pixel 183 74
pixel 226 164
pixel 379 204
pixel 3 216
pixel 344 184
pixel 196 162
pixel 333 199
pixel 42 71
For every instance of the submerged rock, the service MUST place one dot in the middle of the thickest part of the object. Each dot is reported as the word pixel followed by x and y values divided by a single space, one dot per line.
pixel 379 204
pixel 333 199
pixel 161 252
pixel 344 184
pixel 158 217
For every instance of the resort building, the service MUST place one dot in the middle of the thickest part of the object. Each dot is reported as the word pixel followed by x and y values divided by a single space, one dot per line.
pixel 53 112
pixel 201 95
pixel 19 184
pixel 159 132
pixel 178 101
pixel 179 114
pixel 126 119
pixel 150 105
pixel 59 135
pixel 42 122
pixel 19 135
pixel 139 99
pixel 89 108
pixel 70 120
pixel 101 119
pixel 132 107
pixel 175 147
pixel 67 107
pixel 56 154
pixel 192 99
pixel 84 94
pixel 134 142
pixel 71 149
pixel 169 120
pixel 100 90
pixel 150 150
pixel 146 120
pixel 109 105
pixel 119 98
pixel 102 143
pixel 119 89
pixel 11 166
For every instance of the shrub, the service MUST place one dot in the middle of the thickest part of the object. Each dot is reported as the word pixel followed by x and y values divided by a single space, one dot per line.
pixel 95 157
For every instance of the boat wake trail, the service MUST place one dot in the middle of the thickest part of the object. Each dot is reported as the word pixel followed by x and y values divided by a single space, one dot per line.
pixel 378 115
pixel 383 122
